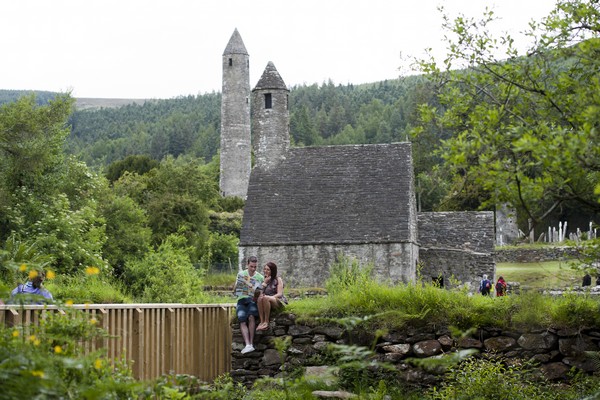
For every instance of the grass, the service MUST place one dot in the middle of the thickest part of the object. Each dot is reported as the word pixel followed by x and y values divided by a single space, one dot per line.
pixel 355 298
pixel 219 279
pixel 376 306
pixel 550 274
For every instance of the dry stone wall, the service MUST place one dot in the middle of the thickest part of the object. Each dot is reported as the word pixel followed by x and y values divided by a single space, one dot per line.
pixel 525 255
pixel 556 351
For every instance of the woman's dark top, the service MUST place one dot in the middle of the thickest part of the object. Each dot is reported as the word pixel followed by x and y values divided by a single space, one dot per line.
pixel 271 288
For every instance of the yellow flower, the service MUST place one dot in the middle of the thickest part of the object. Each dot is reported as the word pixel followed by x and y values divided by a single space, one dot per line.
pixel 38 373
pixel 32 274
pixel 34 340
pixel 69 303
pixel 50 275
pixel 98 363
pixel 93 321
pixel 92 270
pixel 15 333
pixel 57 349
pixel 23 268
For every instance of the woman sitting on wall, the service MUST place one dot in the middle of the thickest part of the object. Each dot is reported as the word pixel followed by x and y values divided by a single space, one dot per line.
pixel 272 295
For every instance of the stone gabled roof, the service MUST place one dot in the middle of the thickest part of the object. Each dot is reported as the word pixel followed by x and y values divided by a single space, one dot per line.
pixel 235 45
pixel 333 194
pixel 270 79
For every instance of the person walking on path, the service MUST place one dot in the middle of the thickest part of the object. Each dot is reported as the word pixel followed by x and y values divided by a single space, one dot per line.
pixel 501 287
pixel 485 286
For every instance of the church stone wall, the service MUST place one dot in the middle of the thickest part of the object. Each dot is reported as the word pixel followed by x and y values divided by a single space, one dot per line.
pixel 308 265
pixel 456 247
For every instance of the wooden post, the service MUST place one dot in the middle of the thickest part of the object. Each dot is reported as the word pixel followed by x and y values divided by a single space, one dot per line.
pixel 169 340
pixel 13 318
pixel 138 344
pixel 199 349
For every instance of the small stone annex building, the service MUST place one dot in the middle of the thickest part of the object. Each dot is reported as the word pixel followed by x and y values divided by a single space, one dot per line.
pixel 307 206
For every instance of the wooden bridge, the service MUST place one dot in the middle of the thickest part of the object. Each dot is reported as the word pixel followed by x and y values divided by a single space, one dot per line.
pixel 193 339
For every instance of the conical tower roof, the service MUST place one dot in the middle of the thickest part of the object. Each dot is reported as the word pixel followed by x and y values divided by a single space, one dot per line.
pixel 235 45
pixel 270 79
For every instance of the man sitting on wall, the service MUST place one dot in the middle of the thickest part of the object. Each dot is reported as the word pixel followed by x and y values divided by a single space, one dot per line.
pixel 246 283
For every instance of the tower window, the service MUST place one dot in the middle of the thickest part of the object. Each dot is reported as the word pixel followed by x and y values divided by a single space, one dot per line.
pixel 268 100
pixel 230 62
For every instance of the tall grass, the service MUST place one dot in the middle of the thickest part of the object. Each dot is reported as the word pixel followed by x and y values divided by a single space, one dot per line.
pixel 354 294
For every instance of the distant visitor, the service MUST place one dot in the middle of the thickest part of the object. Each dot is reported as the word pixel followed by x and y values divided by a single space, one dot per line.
pixel 32 292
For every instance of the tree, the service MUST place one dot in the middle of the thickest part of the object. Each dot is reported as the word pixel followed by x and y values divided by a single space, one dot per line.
pixel 31 139
pixel 140 164
pixel 165 275
pixel 127 231
pixel 524 129
pixel 176 197
pixel 47 198
pixel 302 128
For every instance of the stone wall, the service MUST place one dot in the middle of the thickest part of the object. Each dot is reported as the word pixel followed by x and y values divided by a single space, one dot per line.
pixel 525 255
pixel 555 350
pixel 456 246
pixel 301 265
pixel 441 266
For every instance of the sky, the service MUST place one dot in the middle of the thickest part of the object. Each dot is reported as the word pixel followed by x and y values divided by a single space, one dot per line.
pixel 160 49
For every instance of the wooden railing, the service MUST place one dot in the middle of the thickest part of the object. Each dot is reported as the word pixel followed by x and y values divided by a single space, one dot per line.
pixel 192 339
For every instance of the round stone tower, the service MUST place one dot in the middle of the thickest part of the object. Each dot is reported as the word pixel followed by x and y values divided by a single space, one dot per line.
pixel 235 119
pixel 270 119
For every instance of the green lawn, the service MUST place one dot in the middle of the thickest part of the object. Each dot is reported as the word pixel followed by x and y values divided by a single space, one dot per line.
pixel 550 274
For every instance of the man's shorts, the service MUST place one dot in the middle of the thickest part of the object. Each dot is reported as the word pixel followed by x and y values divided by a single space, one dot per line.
pixel 246 307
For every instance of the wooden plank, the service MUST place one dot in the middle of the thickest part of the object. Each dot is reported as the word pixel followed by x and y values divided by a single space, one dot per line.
pixel 137 349
pixel 169 346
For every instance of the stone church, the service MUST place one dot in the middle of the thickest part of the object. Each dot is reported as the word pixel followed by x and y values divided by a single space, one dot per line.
pixel 307 206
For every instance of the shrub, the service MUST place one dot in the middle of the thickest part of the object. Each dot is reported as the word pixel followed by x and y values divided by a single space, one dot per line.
pixel 220 250
pixel 484 379
pixel 231 203
pixel 49 361
pixel 575 310
pixel 346 274
pixel 85 288
pixel 165 275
